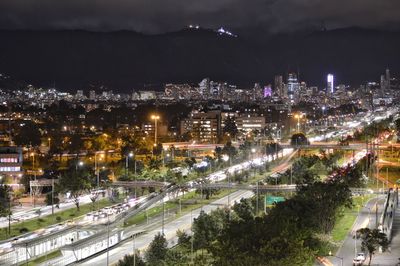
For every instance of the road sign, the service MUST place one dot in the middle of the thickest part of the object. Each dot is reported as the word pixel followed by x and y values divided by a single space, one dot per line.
pixel 271 200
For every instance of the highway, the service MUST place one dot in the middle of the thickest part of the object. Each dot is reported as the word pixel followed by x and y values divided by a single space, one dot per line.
pixel 365 218
pixel 30 213
pixel 170 228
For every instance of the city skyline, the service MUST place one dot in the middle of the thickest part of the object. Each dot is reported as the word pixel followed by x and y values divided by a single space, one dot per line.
pixel 230 132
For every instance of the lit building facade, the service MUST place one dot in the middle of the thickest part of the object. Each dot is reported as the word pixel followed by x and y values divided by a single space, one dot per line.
pixel 11 162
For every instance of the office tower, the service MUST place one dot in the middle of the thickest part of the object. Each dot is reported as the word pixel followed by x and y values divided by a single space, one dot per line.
pixel 292 87
pixel 267 91
pixel 279 87
pixel 387 76
pixel 330 84
pixel 92 95
pixel 204 87
pixel 257 92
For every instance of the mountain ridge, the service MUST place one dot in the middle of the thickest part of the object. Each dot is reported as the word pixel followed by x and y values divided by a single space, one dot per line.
pixel 126 60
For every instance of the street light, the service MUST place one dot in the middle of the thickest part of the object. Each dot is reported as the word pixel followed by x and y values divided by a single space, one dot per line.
pixel 96 168
pixel 49 140
pixel 129 155
pixel 155 118
pixel 33 164
pixel 298 116
pixel 80 163
pixel 341 259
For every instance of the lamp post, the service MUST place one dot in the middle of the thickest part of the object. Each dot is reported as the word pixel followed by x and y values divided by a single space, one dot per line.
pixel 108 237
pixel 341 259
pixel 80 163
pixel 33 164
pixel 134 249
pixel 49 140
pixel 155 118
pixel 96 168
pixel 129 155
pixel 298 116
pixel 226 158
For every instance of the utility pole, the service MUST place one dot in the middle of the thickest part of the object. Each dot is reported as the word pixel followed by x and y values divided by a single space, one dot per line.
pixel 258 195
pixel 108 237
pixel 192 238
pixel 134 249
pixel 52 196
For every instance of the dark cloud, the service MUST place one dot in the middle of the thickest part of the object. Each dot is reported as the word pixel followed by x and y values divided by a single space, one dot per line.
pixel 166 15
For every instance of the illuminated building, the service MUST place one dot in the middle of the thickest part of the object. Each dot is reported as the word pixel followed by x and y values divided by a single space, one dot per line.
pixel 11 162
pixel 330 84
pixel 279 87
pixel 292 87
pixel 249 123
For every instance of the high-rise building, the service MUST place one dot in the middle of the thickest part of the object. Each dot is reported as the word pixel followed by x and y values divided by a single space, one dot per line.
pixel 279 86
pixel 267 91
pixel 204 87
pixel 92 95
pixel 387 79
pixel 79 94
pixel 292 87
pixel 330 87
pixel 257 92
pixel 385 82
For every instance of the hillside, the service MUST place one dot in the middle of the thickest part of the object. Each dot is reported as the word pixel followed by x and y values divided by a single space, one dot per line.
pixel 126 60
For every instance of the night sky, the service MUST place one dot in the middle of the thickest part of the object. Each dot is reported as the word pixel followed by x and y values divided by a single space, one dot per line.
pixel 155 16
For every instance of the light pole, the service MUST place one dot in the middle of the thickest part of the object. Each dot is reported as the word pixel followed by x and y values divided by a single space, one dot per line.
pixel 298 116
pixel 155 118
pixel 80 163
pixel 129 155
pixel 258 195
pixel 108 237
pixel 96 167
pixel 49 140
pixel 33 164
pixel 341 259
pixel 134 251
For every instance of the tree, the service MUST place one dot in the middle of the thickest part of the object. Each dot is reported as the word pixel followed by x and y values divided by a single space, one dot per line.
pixel 244 209
pixel 371 240
pixel 157 150
pixel 229 150
pixel 75 143
pixel 207 227
pixel 28 134
pixel 183 239
pixel 52 199
pixel 299 139
pixel 230 126
pixel 157 251
pixel 76 183
pixel 5 203
pixel 130 260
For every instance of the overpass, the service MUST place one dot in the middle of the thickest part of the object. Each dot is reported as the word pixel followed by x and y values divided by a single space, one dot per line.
pixel 139 184
pixel 326 146
pixel 270 188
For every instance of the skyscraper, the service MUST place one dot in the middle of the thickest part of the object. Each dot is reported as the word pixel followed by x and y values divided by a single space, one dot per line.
pixel 279 88
pixel 292 87
pixel 92 95
pixel 387 74
pixel 330 88
pixel 204 86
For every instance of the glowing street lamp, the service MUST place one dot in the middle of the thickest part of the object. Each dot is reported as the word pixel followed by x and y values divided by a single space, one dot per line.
pixel 155 118
pixel 298 116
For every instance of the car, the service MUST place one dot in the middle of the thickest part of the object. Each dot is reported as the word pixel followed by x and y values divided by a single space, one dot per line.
pixel 359 259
